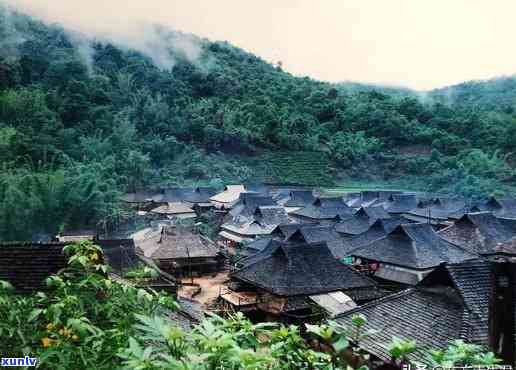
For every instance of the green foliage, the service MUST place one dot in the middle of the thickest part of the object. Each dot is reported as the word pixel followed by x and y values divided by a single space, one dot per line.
pixel 460 353
pixel 119 122
pixel 87 321
pixel 347 148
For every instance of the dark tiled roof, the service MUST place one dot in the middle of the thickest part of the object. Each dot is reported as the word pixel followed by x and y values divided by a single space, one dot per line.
pixel 401 203
pixel 501 207
pixel 300 198
pixel 271 215
pixel 415 246
pixel 27 265
pixel 249 202
pixel 361 220
pixel 299 268
pixel 120 254
pixel 480 232
pixel 441 208
pixel 377 230
pixel 283 231
pixel 450 303
pixel 325 208
pixel 431 316
pixel 266 252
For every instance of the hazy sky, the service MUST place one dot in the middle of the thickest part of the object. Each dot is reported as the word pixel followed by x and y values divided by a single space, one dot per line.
pixel 417 43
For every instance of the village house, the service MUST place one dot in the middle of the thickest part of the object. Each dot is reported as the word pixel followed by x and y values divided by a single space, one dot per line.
pixel 440 212
pixel 242 228
pixel 228 197
pixel 401 203
pixel 480 232
pixel 174 211
pixel 379 229
pixel 298 199
pixel 286 274
pixel 361 221
pixel 323 210
pixel 369 198
pixel 248 203
pixel 500 207
pixel 408 253
pixel 199 199
pixel 181 251
pixel 142 200
pixel 174 195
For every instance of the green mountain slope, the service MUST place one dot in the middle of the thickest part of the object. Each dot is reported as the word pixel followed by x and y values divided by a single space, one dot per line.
pixel 82 120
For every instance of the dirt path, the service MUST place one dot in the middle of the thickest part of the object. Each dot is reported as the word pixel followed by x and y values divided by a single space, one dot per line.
pixel 210 288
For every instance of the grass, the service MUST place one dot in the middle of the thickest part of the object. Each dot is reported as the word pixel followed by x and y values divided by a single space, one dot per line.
pixel 351 186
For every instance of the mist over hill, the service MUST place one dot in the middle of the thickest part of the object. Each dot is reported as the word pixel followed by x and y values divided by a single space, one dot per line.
pixel 85 117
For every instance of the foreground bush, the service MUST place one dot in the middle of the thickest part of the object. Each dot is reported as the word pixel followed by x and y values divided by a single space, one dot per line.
pixel 87 321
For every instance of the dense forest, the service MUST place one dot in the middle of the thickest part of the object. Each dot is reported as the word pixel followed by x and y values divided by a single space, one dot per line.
pixel 82 120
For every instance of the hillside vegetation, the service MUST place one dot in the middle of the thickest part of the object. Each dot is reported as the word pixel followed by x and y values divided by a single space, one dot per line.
pixel 83 120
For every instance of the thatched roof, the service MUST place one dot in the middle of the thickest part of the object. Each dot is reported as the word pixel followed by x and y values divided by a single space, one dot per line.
pixel 416 246
pixel 177 242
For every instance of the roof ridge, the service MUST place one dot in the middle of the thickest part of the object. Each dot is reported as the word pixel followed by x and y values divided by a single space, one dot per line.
pixel 386 298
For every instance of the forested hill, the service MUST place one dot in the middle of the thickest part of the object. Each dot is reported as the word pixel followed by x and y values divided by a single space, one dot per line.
pixel 84 119
pixel 497 93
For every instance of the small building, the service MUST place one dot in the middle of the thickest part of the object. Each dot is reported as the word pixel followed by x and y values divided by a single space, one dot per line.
pixel 243 228
pixel 285 276
pixel 323 210
pixel 26 265
pixel 177 210
pixel 480 232
pixel 361 221
pixel 181 251
pixel 228 197
pixel 408 253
